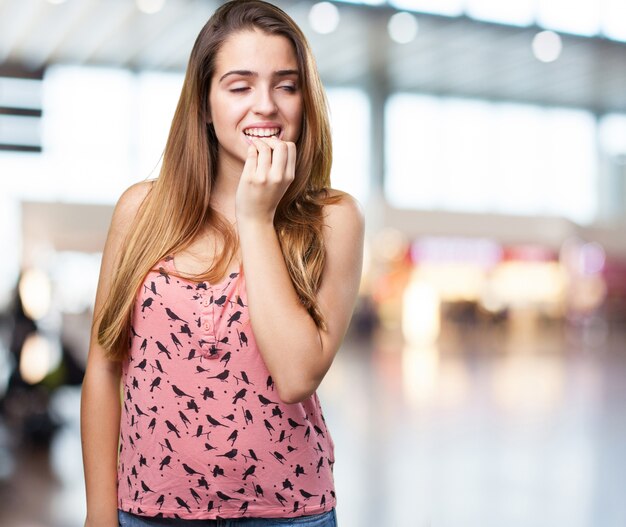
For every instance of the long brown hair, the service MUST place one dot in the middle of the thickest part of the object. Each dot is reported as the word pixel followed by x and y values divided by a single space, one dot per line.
pixel 177 207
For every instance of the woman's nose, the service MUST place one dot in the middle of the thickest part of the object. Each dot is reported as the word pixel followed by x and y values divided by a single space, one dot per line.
pixel 264 103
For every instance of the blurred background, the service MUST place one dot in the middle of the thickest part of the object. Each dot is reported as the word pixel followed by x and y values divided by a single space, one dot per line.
pixel 483 379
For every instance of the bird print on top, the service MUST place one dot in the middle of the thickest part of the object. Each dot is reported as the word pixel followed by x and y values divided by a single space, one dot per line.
pixel 203 433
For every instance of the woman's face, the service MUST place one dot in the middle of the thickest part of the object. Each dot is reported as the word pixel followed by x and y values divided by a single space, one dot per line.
pixel 255 90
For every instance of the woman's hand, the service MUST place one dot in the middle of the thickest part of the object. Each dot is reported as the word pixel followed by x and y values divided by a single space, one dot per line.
pixel 269 169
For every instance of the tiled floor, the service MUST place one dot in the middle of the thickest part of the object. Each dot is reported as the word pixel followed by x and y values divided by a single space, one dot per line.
pixel 491 427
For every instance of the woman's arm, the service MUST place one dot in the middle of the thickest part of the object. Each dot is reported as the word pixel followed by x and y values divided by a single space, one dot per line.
pixel 295 351
pixel 100 399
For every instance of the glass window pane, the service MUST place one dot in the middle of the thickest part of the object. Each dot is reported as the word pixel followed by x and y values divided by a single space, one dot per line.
pixel 515 12
pixel 581 17
pixel 437 7
pixel 349 116
pixel 475 156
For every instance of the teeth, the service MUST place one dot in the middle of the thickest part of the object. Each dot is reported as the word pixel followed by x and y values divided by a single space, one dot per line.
pixel 262 132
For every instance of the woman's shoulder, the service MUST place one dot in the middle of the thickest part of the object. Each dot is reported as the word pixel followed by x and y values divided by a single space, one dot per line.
pixel 343 212
pixel 128 204
pixel 339 202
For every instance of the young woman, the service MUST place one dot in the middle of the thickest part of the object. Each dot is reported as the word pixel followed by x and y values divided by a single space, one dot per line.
pixel 226 288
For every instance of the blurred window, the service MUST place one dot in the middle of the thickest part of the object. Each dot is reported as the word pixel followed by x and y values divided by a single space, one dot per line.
pixel 614 19
pixel 474 156
pixel 581 17
pixel 513 12
pixel 437 7
pixel 349 116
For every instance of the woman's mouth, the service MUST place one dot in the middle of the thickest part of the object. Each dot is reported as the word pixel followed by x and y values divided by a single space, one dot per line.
pixel 262 132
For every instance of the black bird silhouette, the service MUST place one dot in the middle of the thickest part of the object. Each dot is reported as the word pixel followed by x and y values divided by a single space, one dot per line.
pixel 215 422
pixel 139 412
pixel 152 424
pixel 307 434
pixel 210 506
pixel 287 484
pixel 145 487
pixel 191 405
pixel 202 482
pixel 270 383
pixel 209 447
pixel 174 316
pixel 142 364
pixel 234 318
pixel 208 394
pixel 226 358
pixel 283 436
pixel 134 333
pixel 200 369
pixel 239 302
pixel 299 471
pixel 268 426
pixel 243 378
pixel 247 415
pixel 231 454
pixel 184 329
pixel 233 437
pixel 320 464
pixel 168 445
pixel 225 497
pixel 164 274
pixel 244 507
pixel 218 471
pixel 222 376
pixel 258 490
pixel 182 504
pixel 293 423
pixel 243 339
pixel 249 471
pixel 158 367
pixel 144 346
pixel 280 498
pixel 165 462
pixel 198 431
pixel 184 418
pixel 264 400
pixel 172 428
pixel 195 495
pixel 323 501
pixel 220 301
pixel 279 457
pixel 152 288
pixel 241 394
pixel 253 455
pixel 191 471
pixel 318 431
pixel 147 303
pixel 179 392
pixel 155 384
pixel 160 501
pixel 175 341
pixel 306 495
pixel 230 417
pixel 163 349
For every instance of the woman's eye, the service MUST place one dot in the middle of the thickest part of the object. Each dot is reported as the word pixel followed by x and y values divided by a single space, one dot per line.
pixel 288 87
pixel 242 89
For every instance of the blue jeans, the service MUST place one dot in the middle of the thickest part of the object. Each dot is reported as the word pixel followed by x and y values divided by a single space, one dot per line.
pixel 325 519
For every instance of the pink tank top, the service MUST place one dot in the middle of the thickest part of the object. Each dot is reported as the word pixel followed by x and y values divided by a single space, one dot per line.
pixel 203 432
